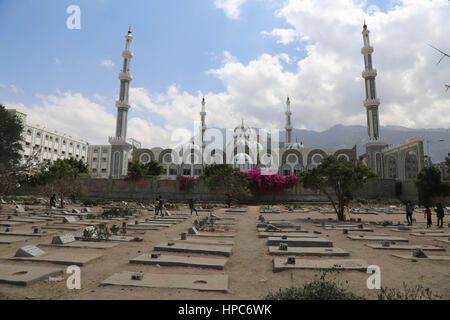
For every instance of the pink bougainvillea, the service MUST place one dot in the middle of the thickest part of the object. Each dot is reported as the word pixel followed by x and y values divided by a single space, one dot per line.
pixel 263 182
pixel 186 183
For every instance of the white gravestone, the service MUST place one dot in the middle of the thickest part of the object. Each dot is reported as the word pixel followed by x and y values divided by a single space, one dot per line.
pixel 69 220
pixel 29 251
pixel 63 239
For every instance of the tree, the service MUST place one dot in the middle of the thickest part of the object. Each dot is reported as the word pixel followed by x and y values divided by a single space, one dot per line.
pixel 429 185
pixel 224 178
pixel 11 129
pixel 268 182
pixel 61 177
pixel 137 169
pixel 337 177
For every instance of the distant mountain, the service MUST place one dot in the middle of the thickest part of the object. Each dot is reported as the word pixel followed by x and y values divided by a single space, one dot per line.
pixel 341 136
pixel 345 137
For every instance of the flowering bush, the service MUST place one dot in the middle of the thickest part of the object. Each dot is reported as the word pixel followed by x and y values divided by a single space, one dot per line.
pixel 262 182
pixel 186 183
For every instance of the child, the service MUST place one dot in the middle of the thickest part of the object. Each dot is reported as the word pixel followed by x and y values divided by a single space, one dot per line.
pixel 428 215
pixel 440 215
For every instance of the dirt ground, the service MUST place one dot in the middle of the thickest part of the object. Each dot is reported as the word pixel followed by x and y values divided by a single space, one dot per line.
pixel 249 268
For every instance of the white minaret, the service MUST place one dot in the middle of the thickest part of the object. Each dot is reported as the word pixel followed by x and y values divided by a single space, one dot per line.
pixel 203 116
pixel 288 122
pixel 374 144
pixel 119 147
pixel 372 102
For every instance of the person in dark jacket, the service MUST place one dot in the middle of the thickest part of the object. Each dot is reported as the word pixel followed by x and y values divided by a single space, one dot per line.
pixel 191 206
pixel 409 212
pixel 440 215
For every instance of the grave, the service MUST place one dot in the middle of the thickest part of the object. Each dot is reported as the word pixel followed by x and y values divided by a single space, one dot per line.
pixel 193 248
pixel 10 240
pixel 404 247
pixel 300 242
pixel 76 211
pixel 86 210
pixel 62 227
pixel 289 234
pixel 280 264
pixel 443 235
pixel 299 251
pixel 415 259
pixel 19 209
pixel 10 223
pixel 69 220
pixel 206 241
pixel 27 234
pixel 82 245
pixel 350 229
pixel 377 238
pixel 176 281
pixel 23 275
pixel 66 258
pixel 284 230
pixel 213 235
pixel 180 261
pixel 193 231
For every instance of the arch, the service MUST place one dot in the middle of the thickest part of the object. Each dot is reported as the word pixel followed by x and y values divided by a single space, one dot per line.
pixel 292 151
pixel 139 152
pixel 314 152
pixel 350 154
pixel 411 165
pixel 163 153
pixel 392 167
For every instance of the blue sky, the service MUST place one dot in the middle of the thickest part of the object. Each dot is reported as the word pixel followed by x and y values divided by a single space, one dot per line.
pixel 176 43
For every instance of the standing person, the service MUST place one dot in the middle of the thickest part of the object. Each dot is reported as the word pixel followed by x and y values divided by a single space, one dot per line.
pixel 156 206
pixel 160 205
pixel 191 206
pixel 409 212
pixel 428 215
pixel 53 201
pixel 230 198
pixel 440 215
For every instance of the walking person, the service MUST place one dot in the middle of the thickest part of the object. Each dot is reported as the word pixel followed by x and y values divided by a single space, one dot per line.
pixel 230 199
pixel 191 206
pixel 160 205
pixel 156 206
pixel 440 215
pixel 409 212
pixel 427 214
pixel 53 201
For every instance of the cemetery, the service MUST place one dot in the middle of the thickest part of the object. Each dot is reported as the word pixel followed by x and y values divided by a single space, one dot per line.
pixel 243 252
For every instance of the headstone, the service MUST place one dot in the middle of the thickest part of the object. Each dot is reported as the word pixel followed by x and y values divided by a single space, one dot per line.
pixel 9 217
pixel 298 228
pixel 385 243
pixel 193 230
pixel 8 229
pixel 170 243
pixel 283 246
pixel 69 220
pixel 290 260
pixel 361 226
pixel 86 210
pixel 19 209
pixel 317 232
pixel 124 224
pixel 359 220
pixel 63 239
pixel 284 237
pixel 344 231
pixel 29 251
pixel 137 276
pixel 2 201
pixel 183 236
pixel 75 211
pixel 136 222
pixel 271 227
pixel 155 255
pixel 418 253
pixel 36 229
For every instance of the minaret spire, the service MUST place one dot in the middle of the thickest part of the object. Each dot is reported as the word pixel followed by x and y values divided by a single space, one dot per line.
pixel 119 147
pixel 288 121
pixel 203 117
pixel 369 74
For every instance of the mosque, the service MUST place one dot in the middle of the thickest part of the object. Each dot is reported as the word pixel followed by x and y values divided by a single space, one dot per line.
pixel 244 147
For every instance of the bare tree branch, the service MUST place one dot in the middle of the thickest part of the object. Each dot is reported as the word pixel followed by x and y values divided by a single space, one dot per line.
pixel 444 55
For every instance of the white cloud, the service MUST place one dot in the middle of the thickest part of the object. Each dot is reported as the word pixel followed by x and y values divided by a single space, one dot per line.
pixel 283 36
pixel 230 7
pixel 16 90
pixel 57 61
pixel 99 97
pixel 107 63
pixel 3 86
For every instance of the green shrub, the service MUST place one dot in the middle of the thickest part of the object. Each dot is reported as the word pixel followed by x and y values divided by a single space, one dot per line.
pixel 321 288
pixel 417 292
pixel 118 213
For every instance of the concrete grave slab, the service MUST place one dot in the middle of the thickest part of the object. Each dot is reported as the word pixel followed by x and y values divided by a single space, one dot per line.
pixel 212 235
pixel 279 264
pixel 176 281
pixel 10 240
pixel 432 258
pixel 236 210
pixel 64 258
pixel 404 247
pixel 82 245
pixel 111 238
pixel 284 230
pixel 350 229
pixel 300 242
pixel 27 234
pixel 62 227
pixel 141 227
pixel 443 235
pixel 69 220
pixel 23 275
pixel 299 251
pixel 10 223
pixel 206 241
pixel 288 234
pixel 418 230
pixel 194 248
pixel 180 261
pixel 377 238
pixel 443 240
